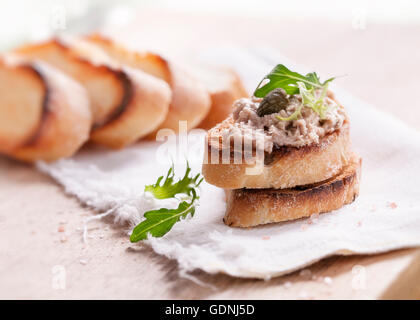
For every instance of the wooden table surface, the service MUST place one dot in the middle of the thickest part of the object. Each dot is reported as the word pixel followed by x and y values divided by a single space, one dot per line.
pixel 382 64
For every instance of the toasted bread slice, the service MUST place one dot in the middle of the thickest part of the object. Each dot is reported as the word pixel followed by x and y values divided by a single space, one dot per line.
pixel 126 104
pixel 190 100
pixel 224 87
pixel 252 207
pixel 107 87
pixel 285 167
pixel 147 108
pixel 44 115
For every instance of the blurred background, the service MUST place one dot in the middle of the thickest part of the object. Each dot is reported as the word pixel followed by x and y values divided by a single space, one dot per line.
pixel 374 43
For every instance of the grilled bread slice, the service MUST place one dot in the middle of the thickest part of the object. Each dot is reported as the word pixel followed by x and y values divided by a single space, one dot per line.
pixel 251 207
pixel 190 100
pixel 44 115
pixel 285 167
pixel 127 104
pixel 224 87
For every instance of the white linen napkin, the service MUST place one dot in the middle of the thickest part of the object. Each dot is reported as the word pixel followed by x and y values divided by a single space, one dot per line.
pixel 384 217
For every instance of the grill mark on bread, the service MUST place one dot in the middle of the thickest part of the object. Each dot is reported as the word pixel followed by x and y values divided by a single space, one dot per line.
pixel 128 94
pixel 120 75
pixel 122 79
pixel 313 190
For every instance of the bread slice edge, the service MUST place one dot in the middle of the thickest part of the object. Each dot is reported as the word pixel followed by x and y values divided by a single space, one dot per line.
pixel 288 166
pixel 252 207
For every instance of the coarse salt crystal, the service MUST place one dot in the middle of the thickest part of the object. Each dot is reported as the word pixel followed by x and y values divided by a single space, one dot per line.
pixel 328 280
pixel 314 217
pixel 392 205
pixel 305 273
pixel 287 284
pixel 82 261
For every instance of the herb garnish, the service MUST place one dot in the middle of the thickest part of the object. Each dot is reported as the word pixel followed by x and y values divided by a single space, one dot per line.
pixel 159 222
pixel 169 189
pixel 295 83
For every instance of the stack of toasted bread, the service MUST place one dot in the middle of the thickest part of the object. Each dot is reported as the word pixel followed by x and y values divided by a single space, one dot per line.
pixel 56 95
pixel 290 182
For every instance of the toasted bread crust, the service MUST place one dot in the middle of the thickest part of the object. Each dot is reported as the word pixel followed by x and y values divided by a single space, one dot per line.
pixel 121 97
pixel 65 119
pixel 190 101
pixel 20 121
pixel 223 98
pixel 63 57
pixel 285 167
pixel 146 109
pixel 251 207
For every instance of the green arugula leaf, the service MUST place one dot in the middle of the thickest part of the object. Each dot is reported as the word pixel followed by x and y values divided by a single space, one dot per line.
pixel 282 77
pixel 169 188
pixel 295 83
pixel 159 222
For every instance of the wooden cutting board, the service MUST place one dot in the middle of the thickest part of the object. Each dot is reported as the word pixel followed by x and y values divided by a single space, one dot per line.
pixel 41 250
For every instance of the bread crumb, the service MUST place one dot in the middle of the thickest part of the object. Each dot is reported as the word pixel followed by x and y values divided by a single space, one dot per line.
pixel 266 238
pixel 63 222
pixel 359 223
pixel 392 205
pixel 61 229
pixel 303 226
pixel 63 239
